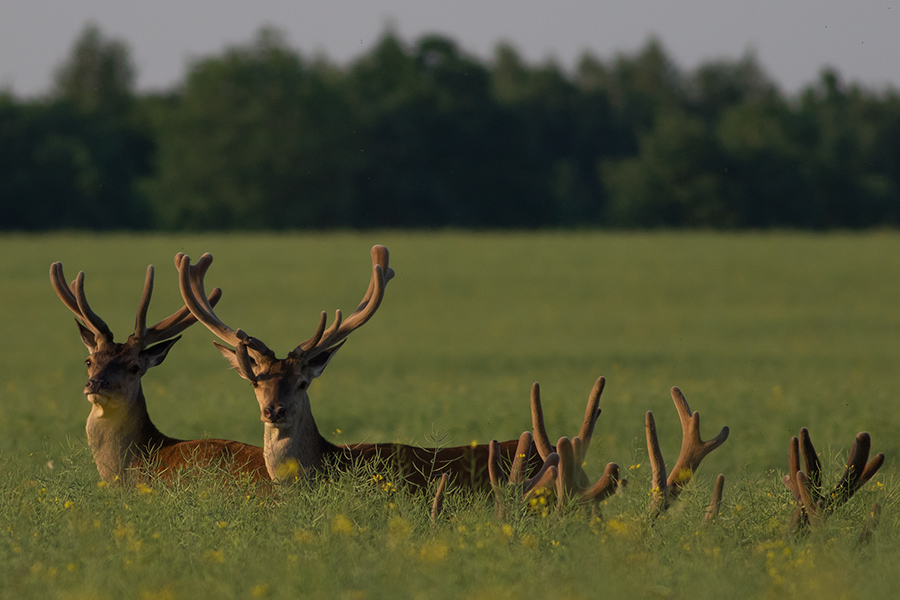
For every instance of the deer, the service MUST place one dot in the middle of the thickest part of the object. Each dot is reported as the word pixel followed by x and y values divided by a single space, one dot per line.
pixel 292 444
pixel 814 503
pixel 568 455
pixel 123 439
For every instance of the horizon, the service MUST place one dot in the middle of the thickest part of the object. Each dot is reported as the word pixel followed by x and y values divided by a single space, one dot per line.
pixel 792 44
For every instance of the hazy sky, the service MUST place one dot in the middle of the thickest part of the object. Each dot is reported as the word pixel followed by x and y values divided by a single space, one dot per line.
pixel 793 39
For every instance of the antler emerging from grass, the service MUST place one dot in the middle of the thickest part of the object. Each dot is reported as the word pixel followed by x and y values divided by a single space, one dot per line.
pixel 693 451
pixel 573 482
pixel 516 479
pixel 814 505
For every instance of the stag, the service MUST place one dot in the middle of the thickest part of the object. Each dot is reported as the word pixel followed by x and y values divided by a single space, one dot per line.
pixel 568 458
pixel 120 433
pixel 293 446
pixel 814 503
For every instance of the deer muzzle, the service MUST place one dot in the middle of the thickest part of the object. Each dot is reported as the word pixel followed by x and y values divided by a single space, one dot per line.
pixel 273 413
pixel 96 386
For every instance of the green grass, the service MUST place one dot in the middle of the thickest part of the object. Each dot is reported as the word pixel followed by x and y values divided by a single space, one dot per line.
pixel 765 333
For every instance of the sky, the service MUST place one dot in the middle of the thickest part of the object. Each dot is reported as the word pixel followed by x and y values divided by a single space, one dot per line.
pixel 792 39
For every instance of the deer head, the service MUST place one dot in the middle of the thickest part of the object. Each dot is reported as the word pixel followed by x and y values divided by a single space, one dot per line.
pixel 281 384
pixel 119 424
pixel 114 369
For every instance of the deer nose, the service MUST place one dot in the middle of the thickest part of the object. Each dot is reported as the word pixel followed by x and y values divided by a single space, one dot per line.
pixel 274 412
pixel 95 385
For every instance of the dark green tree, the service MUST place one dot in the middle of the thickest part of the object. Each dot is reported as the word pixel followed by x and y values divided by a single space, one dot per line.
pixel 256 138
pixel 72 160
pixel 675 180
pixel 440 151
pixel 99 75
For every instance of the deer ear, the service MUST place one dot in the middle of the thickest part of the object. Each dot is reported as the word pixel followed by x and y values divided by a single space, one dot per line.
pixel 158 352
pixel 87 337
pixel 320 361
pixel 231 356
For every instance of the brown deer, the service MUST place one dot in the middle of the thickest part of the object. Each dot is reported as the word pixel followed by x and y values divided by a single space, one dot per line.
pixel 814 503
pixel 567 458
pixel 293 445
pixel 120 433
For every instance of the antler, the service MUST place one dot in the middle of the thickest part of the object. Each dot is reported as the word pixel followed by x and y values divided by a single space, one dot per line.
pixel 190 281
pixel 693 451
pixel 516 477
pixel 814 505
pixel 192 290
pixel 74 298
pixel 573 482
pixel 341 328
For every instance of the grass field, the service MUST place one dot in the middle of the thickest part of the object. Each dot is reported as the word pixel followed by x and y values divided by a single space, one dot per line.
pixel 765 333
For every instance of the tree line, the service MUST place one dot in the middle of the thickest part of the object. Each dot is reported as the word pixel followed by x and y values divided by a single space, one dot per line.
pixel 423 134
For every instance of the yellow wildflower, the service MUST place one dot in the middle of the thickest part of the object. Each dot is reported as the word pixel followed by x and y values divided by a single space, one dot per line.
pixel 341 524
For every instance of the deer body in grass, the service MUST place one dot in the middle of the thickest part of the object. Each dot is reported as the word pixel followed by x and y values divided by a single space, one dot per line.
pixel 120 433
pixel 293 445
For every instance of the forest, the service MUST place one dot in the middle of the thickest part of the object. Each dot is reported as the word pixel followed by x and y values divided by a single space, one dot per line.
pixel 423 134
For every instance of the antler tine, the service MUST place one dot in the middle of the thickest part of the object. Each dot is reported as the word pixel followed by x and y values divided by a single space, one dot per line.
pixel 495 465
pixel 659 488
pixel 871 468
pixel 541 439
pixel 715 502
pixel 520 461
pixel 140 321
pixel 693 448
pixel 856 463
pixel 605 486
pixel 548 472
pixel 811 464
pixel 95 323
pixel 568 472
pixel 858 471
pixel 320 331
pixel 244 365
pixel 790 480
pixel 591 413
pixel 58 280
pixel 380 256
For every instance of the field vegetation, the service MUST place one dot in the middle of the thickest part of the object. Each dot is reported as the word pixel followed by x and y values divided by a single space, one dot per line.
pixel 763 332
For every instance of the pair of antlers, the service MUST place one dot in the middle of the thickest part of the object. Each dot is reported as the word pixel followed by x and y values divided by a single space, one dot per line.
pixel 190 281
pixel 814 504
pixel 565 462
pixel 73 296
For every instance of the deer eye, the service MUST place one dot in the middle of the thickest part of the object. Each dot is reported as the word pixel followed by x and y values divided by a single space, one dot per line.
pixel 134 369
pixel 303 385
pixel 87 362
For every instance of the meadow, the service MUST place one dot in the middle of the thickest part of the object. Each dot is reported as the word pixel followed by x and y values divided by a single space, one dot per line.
pixel 763 332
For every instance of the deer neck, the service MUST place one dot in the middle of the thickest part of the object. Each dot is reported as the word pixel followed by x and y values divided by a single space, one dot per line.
pixel 121 434
pixel 295 449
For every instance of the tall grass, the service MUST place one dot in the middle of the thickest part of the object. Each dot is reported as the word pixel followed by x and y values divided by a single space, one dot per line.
pixel 763 332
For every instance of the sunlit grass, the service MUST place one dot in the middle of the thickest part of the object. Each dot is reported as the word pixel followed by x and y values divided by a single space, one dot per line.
pixel 765 333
